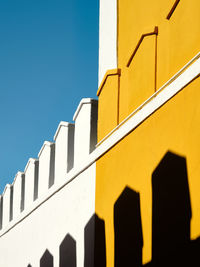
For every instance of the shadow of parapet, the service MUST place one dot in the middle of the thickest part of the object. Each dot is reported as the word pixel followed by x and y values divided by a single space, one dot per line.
pixel 46 260
pixel 67 252
pixel 128 229
pixel 95 243
pixel 171 210
pixel 192 254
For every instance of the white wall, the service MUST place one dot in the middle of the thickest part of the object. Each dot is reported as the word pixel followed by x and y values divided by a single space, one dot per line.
pixel 66 212
pixel 85 137
pixel 107 37
pixel 53 199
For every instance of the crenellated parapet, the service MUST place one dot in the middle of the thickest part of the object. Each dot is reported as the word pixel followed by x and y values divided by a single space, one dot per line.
pixel 85 136
pixel 72 144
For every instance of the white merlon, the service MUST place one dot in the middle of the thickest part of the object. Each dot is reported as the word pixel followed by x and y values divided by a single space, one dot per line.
pixel 7 205
pixel 46 167
pixel 46 143
pixel 85 137
pixel 64 150
pixel 107 37
pixel 83 102
pixel 61 124
pixel 18 194
pixel 31 181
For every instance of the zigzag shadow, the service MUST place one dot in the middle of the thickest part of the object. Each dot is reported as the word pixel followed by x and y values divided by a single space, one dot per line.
pixel 171 216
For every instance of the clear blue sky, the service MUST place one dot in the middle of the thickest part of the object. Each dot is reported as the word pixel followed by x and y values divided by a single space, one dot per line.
pixel 48 62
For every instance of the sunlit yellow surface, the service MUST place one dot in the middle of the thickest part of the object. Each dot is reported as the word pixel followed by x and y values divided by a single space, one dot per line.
pixel 108 106
pixel 174 127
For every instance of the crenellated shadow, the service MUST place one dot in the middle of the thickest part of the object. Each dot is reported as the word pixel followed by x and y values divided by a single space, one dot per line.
pixel 95 243
pixel 171 208
pixel 46 260
pixel 67 252
pixel 128 229
pixel 171 216
pixel 171 244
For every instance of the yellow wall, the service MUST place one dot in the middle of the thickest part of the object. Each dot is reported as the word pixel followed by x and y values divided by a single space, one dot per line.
pixel 108 117
pixel 177 42
pixel 174 127
pixel 137 83
pixel 143 157
pixel 158 57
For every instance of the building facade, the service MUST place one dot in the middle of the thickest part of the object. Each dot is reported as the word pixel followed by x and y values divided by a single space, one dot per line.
pixel 120 186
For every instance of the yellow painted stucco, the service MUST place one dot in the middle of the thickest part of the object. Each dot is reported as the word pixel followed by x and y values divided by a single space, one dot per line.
pixel 158 57
pixel 108 103
pixel 136 85
pixel 177 42
pixel 173 129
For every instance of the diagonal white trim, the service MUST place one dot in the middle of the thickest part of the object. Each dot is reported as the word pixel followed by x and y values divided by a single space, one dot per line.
pixel 155 94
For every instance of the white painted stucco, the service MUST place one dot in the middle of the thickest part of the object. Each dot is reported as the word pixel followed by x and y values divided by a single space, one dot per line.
pixel 64 150
pixel 7 207
pixel 52 198
pixel 31 182
pixel 107 37
pixel 18 194
pixel 46 167
pixel 66 212
pixel 85 138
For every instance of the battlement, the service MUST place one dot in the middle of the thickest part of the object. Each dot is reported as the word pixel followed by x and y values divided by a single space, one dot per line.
pixel 72 144
pixel 124 199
